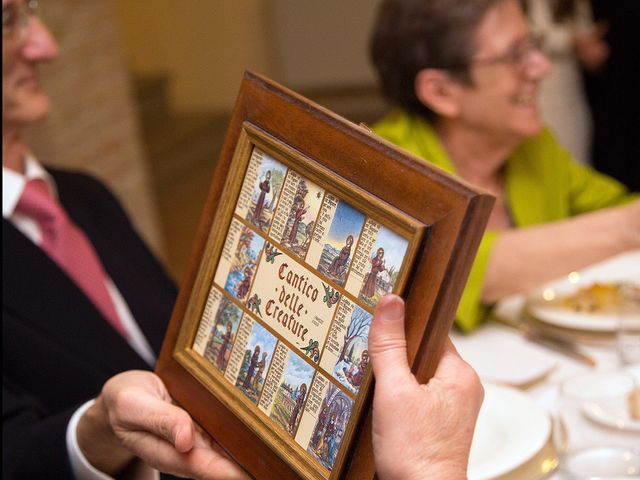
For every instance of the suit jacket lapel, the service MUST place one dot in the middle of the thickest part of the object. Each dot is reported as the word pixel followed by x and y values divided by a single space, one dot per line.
pixel 144 286
pixel 40 293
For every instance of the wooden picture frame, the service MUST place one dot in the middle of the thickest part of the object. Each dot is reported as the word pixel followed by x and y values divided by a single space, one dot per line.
pixel 310 219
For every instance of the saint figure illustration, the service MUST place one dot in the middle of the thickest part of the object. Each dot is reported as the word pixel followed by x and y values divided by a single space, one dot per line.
pixel 258 373
pixel 300 211
pixel 377 266
pixel 322 420
pixel 243 286
pixel 302 393
pixel 334 441
pixel 252 367
pixel 224 346
pixel 265 187
pixel 329 432
pixel 338 264
pixel 355 373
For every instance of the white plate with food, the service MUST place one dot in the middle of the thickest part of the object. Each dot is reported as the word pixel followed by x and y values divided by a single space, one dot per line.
pixel 590 299
pixel 510 432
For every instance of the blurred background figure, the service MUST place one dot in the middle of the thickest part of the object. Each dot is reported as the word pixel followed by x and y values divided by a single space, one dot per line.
pixel 465 82
pixel 613 93
pixel 571 41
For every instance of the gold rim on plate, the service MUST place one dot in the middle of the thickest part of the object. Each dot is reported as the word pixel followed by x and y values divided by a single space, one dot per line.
pixel 539 466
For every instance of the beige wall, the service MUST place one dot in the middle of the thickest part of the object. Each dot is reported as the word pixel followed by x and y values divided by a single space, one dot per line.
pixel 204 45
pixel 323 44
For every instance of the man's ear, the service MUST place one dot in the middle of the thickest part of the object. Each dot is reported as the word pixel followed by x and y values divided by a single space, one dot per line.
pixel 438 91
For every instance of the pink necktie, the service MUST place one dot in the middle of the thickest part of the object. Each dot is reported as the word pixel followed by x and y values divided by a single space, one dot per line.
pixel 69 247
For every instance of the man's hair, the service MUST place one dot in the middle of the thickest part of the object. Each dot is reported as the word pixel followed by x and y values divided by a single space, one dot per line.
pixel 411 35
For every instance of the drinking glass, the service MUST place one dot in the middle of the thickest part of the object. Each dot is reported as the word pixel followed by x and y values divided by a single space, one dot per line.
pixel 628 336
pixel 595 434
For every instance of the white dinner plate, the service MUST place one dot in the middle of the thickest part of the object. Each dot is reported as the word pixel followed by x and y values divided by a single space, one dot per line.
pixel 614 416
pixel 511 429
pixel 622 268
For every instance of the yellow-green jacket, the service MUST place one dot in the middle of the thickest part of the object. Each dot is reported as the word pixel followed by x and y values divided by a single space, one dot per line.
pixel 542 181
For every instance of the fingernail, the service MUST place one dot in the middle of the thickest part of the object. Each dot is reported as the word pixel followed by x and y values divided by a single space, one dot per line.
pixel 176 432
pixel 391 310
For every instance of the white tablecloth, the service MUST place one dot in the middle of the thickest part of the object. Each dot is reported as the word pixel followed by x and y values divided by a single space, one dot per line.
pixel 501 354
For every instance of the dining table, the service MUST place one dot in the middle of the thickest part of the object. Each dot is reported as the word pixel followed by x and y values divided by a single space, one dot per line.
pixel 510 356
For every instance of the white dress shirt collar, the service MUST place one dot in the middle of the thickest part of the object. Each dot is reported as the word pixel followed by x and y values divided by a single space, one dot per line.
pixel 13 183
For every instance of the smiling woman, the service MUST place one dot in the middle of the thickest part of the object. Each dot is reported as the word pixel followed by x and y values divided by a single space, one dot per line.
pixel 505 71
pixel 466 81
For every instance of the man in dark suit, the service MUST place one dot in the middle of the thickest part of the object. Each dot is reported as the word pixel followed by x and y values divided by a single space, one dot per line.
pixel 58 347
pixel 64 345
pixel 39 350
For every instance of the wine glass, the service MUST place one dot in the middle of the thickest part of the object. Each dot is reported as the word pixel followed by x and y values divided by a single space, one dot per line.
pixel 628 334
pixel 595 435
